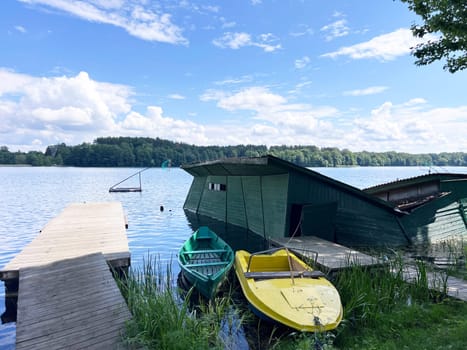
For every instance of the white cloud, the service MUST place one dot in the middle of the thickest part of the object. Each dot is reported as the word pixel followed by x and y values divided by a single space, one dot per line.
pixel 154 123
pixel 233 40
pixel 302 62
pixel 41 111
pixel 302 30
pixel 238 40
pixel 372 90
pixel 59 109
pixel 411 127
pixel 253 98
pixel 176 97
pixel 336 29
pixel 280 122
pixel 212 95
pixel 227 24
pixel 242 79
pixel 384 47
pixel 135 19
pixel 20 29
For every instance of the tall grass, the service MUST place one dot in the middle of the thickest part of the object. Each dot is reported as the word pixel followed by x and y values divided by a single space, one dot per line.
pixel 372 296
pixel 165 319
pixel 381 311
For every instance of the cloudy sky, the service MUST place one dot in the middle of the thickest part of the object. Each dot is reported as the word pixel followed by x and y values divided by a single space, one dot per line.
pixel 330 73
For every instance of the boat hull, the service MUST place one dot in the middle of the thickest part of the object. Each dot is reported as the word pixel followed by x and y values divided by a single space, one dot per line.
pixel 299 298
pixel 205 260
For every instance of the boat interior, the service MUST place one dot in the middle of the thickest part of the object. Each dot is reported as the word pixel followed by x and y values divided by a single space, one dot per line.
pixel 267 266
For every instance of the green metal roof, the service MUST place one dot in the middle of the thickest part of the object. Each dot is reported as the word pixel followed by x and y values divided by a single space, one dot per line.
pixel 439 177
pixel 270 165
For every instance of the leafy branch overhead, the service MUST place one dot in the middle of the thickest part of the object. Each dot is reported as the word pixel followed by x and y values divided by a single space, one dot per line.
pixel 447 20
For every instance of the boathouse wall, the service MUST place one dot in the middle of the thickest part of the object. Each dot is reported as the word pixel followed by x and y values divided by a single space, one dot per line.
pixel 441 219
pixel 333 213
pixel 258 203
pixel 275 198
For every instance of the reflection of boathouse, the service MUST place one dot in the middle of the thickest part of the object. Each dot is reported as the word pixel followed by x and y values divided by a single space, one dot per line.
pixel 275 198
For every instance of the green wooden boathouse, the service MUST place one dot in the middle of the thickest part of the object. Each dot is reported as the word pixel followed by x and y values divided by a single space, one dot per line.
pixel 435 206
pixel 275 198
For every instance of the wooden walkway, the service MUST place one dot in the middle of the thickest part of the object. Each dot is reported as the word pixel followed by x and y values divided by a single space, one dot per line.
pixel 70 304
pixel 80 229
pixel 67 297
pixel 456 287
pixel 330 256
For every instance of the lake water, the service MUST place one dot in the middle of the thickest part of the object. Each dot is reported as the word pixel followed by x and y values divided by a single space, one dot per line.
pixel 31 196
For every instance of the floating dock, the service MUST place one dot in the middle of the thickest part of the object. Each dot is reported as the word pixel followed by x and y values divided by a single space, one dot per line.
pixel 67 297
pixel 331 257
pixel 328 256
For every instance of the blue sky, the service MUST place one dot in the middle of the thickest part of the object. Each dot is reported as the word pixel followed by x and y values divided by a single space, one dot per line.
pixel 329 73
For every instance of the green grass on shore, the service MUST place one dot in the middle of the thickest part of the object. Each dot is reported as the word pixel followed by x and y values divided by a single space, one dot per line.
pixel 381 311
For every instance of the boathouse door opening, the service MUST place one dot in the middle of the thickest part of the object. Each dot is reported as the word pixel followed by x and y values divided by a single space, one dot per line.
pixel 295 218
pixel 319 220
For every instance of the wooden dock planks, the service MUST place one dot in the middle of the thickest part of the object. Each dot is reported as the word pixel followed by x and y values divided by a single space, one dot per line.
pixel 331 256
pixel 455 287
pixel 70 304
pixel 67 297
pixel 80 229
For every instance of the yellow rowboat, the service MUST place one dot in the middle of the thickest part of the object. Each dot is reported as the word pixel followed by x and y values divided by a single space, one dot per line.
pixel 282 288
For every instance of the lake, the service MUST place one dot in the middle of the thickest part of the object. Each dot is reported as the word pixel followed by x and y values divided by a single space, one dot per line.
pixel 31 196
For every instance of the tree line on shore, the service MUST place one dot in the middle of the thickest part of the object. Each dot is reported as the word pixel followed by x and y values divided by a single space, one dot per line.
pixel 149 152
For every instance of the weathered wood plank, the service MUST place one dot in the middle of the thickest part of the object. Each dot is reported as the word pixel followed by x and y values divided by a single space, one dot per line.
pixel 70 308
pixel 67 296
pixel 80 229
pixel 331 256
pixel 456 287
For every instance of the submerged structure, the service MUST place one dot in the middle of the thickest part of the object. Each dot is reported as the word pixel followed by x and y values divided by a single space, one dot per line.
pixel 275 198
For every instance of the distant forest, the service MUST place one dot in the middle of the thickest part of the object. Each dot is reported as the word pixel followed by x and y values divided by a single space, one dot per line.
pixel 149 152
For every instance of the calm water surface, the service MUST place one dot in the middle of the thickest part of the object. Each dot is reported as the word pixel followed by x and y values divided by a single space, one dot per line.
pixel 31 196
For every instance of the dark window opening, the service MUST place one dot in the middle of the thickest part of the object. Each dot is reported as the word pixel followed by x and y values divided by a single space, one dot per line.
pixel 217 187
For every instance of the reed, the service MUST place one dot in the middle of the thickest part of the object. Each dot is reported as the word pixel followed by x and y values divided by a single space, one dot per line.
pixel 381 311
pixel 381 304
pixel 163 318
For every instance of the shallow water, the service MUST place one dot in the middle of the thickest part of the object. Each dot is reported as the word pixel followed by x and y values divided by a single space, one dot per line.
pixel 31 196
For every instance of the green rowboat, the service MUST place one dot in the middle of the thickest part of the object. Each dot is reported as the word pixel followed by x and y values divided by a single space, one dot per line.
pixel 205 260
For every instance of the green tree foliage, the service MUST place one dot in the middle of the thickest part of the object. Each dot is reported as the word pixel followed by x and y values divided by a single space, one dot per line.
pixel 448 20
pixel 148 152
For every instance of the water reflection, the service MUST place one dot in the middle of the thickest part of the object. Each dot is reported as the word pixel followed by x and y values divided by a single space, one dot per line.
pixel 237 237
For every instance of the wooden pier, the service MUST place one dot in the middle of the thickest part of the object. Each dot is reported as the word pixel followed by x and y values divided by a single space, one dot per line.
pixel 70 304
pixel 438 280
pixel 67 297
pixel 331 257
pixel 327 255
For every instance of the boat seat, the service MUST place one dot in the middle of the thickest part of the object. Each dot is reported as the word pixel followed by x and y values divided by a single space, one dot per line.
pixel 203 233
pixel 217 251
pixel 284 274
pixel 220 263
